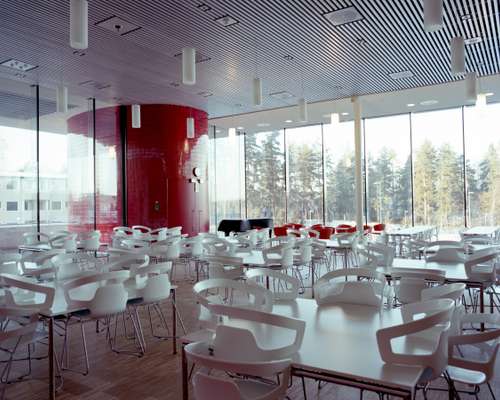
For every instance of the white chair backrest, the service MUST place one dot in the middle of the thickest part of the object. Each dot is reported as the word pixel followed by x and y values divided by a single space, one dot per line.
pixel 159 233
pixel 333 287
pixel 305 250
pixel 25 296
pixel 25 330
pixel 91 241
pixel 192 247
pixel 219 247
pixel 446 255
pixel 132 263
pixel 123 231
pixel 382 252
pixel 157 287
pixel 408 283
pixel 486 341
pixel 235 343
pixel 9 263
pixel 34 238
pixel 105 293
pixel 486 256
pixel 452 291
pixel 283 286
pixel 281 254
pixel 72 265
pixel 218 267
pixel 39 263
pixel 213 387
pixel 434 327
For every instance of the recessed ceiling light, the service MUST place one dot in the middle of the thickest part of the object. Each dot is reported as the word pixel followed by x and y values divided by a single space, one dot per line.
pixel 283 95
pixel 203 7
pixel 489 94
pixel 343 16
pixel 205 94
pixel 240 128
pixel 288 57
pixel 428 102
pixel 288 121
pixel 401 75
pixel 466 17
pixel 118 25
pixel 217 131
pixel 474 40
pixel 361 41
pixel 79 53
pixel 226 21
pixel 18 65
pixel 411 105
pixel 263 124
pixel 345 113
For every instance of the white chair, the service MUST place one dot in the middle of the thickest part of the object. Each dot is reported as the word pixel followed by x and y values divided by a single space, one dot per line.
pixel 283 286
pixel 22 292
pixel 38 264
pixel 219 247
pixel 159 234
pixel 229 292
pixel 244 245
pixel 68 266
pixel 140 231
pixel 224 267
pixel 452 291
pixel 280 256
pixel 9 263
pixel 408 283
pixel 334 287
pixel 241 344
pixel 14 335
pixel 150 288
pixel 419 341
pixel 90 241
pixel 482 348
pixel 446 255
pixel 120 233
pixel 66 241
pixel 212 387
pixel 382 252
pixel 99 296
pixel 35 239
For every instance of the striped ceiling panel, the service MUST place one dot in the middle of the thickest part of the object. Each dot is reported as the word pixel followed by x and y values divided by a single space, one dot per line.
pixel 291 45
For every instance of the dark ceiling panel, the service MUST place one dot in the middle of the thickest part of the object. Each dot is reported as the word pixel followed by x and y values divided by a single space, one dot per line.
pixel 329 62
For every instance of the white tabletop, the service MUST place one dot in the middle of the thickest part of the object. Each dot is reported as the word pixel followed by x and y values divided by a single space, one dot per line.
pixel 411 231
pixel 481 231
pixel 454 271
pixel 339 340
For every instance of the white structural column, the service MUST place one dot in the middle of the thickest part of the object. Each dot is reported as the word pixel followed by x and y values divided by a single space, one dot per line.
pixel 358 164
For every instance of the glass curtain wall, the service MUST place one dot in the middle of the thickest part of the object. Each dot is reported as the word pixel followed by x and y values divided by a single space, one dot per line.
pixel 388 170
pixel 265 176
pixel 304 174
pixel 482 160
pixel 339 173
pixel 18 162
pixel 229 175
pixel 438 181
pixel 56 173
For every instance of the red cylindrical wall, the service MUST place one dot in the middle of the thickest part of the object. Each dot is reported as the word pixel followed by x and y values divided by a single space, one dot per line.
pixel 160 164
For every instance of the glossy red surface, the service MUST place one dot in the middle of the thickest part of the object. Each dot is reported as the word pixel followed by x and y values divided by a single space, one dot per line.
pixel 160 163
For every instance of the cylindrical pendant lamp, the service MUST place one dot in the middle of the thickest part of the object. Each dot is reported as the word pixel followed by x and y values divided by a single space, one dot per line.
pixel 136 116
pixel 433 15
pixel 190 127
pixel 257 92
pixel 457 50
pixel 188 66
pixel 79 24
pixel 302 110
pixel 62 99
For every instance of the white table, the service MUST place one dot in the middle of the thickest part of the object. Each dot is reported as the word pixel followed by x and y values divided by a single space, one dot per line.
pixel 481 231
pixel 339 346
pixel 60 309
pixel 413 231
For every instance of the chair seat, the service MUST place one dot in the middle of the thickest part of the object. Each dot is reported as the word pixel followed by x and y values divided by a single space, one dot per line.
pixel 466 376
pixel 251 389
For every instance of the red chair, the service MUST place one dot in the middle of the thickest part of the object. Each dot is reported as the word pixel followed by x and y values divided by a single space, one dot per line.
pixel 325 232
pixel 297 226
pixel 280 230
pixel 378 228
pixel 352 230
pixel 367 229
pixel 343 228
pixel 317 226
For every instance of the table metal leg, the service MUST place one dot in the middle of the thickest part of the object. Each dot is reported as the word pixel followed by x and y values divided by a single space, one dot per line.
pixel 185 387
pixel 52 376
pixel 481 303
pixel 174 323
pixel 312 279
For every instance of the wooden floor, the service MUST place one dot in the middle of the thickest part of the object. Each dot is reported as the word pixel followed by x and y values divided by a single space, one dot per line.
pixel 154 376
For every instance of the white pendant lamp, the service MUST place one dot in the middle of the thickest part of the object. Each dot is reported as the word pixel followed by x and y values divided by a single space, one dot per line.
pixel 257 92
pixel 231 132
pixel 302 110
pixel 471 87
pixel 433 15
pixel 136 116
pixel 188 66
pixel 190 127
pixel 79 24
pixel 457 50
pixel 62 99
pixel 334 119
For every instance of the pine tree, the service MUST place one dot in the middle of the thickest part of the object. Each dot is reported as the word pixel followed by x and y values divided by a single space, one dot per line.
pixel 425 184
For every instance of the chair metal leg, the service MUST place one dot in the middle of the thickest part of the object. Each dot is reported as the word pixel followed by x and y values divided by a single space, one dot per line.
pixel 491 391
